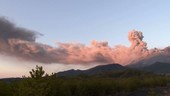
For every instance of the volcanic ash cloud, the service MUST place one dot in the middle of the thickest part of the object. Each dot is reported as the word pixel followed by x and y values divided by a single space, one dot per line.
pixel 21 43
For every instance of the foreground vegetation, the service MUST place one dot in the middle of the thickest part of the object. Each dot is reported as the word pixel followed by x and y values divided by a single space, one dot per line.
pixel 103 84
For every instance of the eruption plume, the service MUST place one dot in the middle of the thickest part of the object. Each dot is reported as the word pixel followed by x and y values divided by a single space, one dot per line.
pixel 136 38
pixel 21 42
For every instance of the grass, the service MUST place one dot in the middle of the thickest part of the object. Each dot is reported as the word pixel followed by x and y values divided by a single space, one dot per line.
pixel 98 85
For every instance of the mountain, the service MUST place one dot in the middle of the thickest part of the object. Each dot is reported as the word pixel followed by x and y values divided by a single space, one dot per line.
pixel 71 72
pixel 94 70
pixel 157 67
pixel 149 60
pixel 10 79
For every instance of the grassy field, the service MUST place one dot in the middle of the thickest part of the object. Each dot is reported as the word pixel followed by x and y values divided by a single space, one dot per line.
pixel 103 84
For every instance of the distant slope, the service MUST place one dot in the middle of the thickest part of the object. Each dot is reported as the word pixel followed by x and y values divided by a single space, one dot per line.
pixel 124 73
pixel 10 79
pixel 105 68
pixel 71 72
pixel 157 67
pixel 94 70
pixel 149 60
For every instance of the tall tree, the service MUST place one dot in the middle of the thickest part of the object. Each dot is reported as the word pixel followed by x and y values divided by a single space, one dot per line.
pixel 37 73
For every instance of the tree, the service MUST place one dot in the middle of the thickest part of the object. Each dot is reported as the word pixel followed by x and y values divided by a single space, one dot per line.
pixel 36 85
pixel 37 73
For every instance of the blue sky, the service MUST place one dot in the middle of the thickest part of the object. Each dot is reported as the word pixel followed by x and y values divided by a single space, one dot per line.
pixel 86 20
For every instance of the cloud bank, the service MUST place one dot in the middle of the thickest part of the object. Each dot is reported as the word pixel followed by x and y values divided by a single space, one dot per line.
pixel 21 43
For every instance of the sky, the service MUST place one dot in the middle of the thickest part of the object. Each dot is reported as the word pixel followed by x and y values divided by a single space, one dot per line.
pixel 82 21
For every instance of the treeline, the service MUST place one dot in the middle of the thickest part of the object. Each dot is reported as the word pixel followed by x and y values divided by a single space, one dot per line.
pixel 39 84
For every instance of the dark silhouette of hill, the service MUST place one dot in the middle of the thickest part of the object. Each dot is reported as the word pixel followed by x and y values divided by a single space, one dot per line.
pixel 157 67
pixel 8 80
pixel 92 71
pixel 152 60
pixel 124 74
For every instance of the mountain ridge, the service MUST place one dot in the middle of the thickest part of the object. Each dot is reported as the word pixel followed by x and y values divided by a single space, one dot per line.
pixel 94 70
pixel 157 67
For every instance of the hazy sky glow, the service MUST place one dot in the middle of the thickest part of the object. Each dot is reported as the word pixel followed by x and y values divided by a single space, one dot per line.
pixel 83 21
